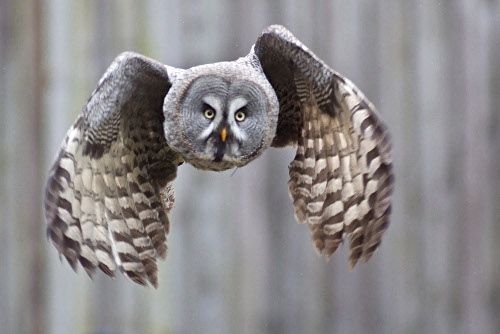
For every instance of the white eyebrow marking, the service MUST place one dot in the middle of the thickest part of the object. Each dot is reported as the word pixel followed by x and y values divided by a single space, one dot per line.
pixel 236 104
pixel 214 102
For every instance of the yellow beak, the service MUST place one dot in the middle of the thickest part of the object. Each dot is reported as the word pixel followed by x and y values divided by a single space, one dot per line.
pixel 223 134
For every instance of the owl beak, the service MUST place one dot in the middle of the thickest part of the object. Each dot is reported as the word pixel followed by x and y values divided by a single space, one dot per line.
pixel 223 134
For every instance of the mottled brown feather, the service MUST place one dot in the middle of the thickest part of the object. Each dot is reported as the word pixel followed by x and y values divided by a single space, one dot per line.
pixel 341 178
pixel 102 206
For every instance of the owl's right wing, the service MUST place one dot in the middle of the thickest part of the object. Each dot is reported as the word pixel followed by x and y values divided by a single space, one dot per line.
pixel 109 189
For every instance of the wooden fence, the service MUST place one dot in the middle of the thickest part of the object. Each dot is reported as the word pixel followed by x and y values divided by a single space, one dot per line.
pixel 238 262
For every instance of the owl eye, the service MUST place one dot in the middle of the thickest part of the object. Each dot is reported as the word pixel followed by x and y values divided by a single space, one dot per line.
pixel 240 116
pixel 209 113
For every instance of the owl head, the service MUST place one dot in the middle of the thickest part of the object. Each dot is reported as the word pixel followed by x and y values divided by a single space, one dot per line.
pixel 220 115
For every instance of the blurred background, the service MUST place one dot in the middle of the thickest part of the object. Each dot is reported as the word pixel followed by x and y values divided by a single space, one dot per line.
pixel 238 262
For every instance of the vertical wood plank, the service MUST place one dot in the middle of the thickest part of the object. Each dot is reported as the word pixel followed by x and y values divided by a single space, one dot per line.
pixel 400 251
pixel 494 56
pixel 6 242
pixel 476 222
pixel 25 266
pixel 238 262
pixel 438 214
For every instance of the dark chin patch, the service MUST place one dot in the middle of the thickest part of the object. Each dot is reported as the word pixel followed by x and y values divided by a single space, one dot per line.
pixel 219 151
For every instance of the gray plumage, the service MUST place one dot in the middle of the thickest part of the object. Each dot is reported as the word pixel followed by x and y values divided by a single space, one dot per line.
pixel 110 188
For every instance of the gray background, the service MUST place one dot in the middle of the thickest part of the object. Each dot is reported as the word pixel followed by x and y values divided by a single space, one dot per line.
pixel 238 262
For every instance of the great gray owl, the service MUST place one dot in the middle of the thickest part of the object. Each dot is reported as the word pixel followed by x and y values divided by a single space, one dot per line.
pixel 110 188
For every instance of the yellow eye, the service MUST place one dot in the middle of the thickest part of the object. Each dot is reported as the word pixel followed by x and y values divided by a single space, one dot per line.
pixel 240 116
pixel 209 113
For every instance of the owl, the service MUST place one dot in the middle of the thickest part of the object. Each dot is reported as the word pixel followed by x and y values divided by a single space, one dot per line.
pixel 110 188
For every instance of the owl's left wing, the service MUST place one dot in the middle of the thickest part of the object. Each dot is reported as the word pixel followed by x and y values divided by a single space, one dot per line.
pixel 341 179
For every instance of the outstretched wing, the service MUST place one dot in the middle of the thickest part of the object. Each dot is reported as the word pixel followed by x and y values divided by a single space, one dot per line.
pixel 341 179
pixel 109 189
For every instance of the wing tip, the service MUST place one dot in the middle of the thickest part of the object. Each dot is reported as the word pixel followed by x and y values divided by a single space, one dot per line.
pixel 275 28
pixel 90 272
pixel 352 263
pixel 162 251
pixel 105 269
pixel 154 282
